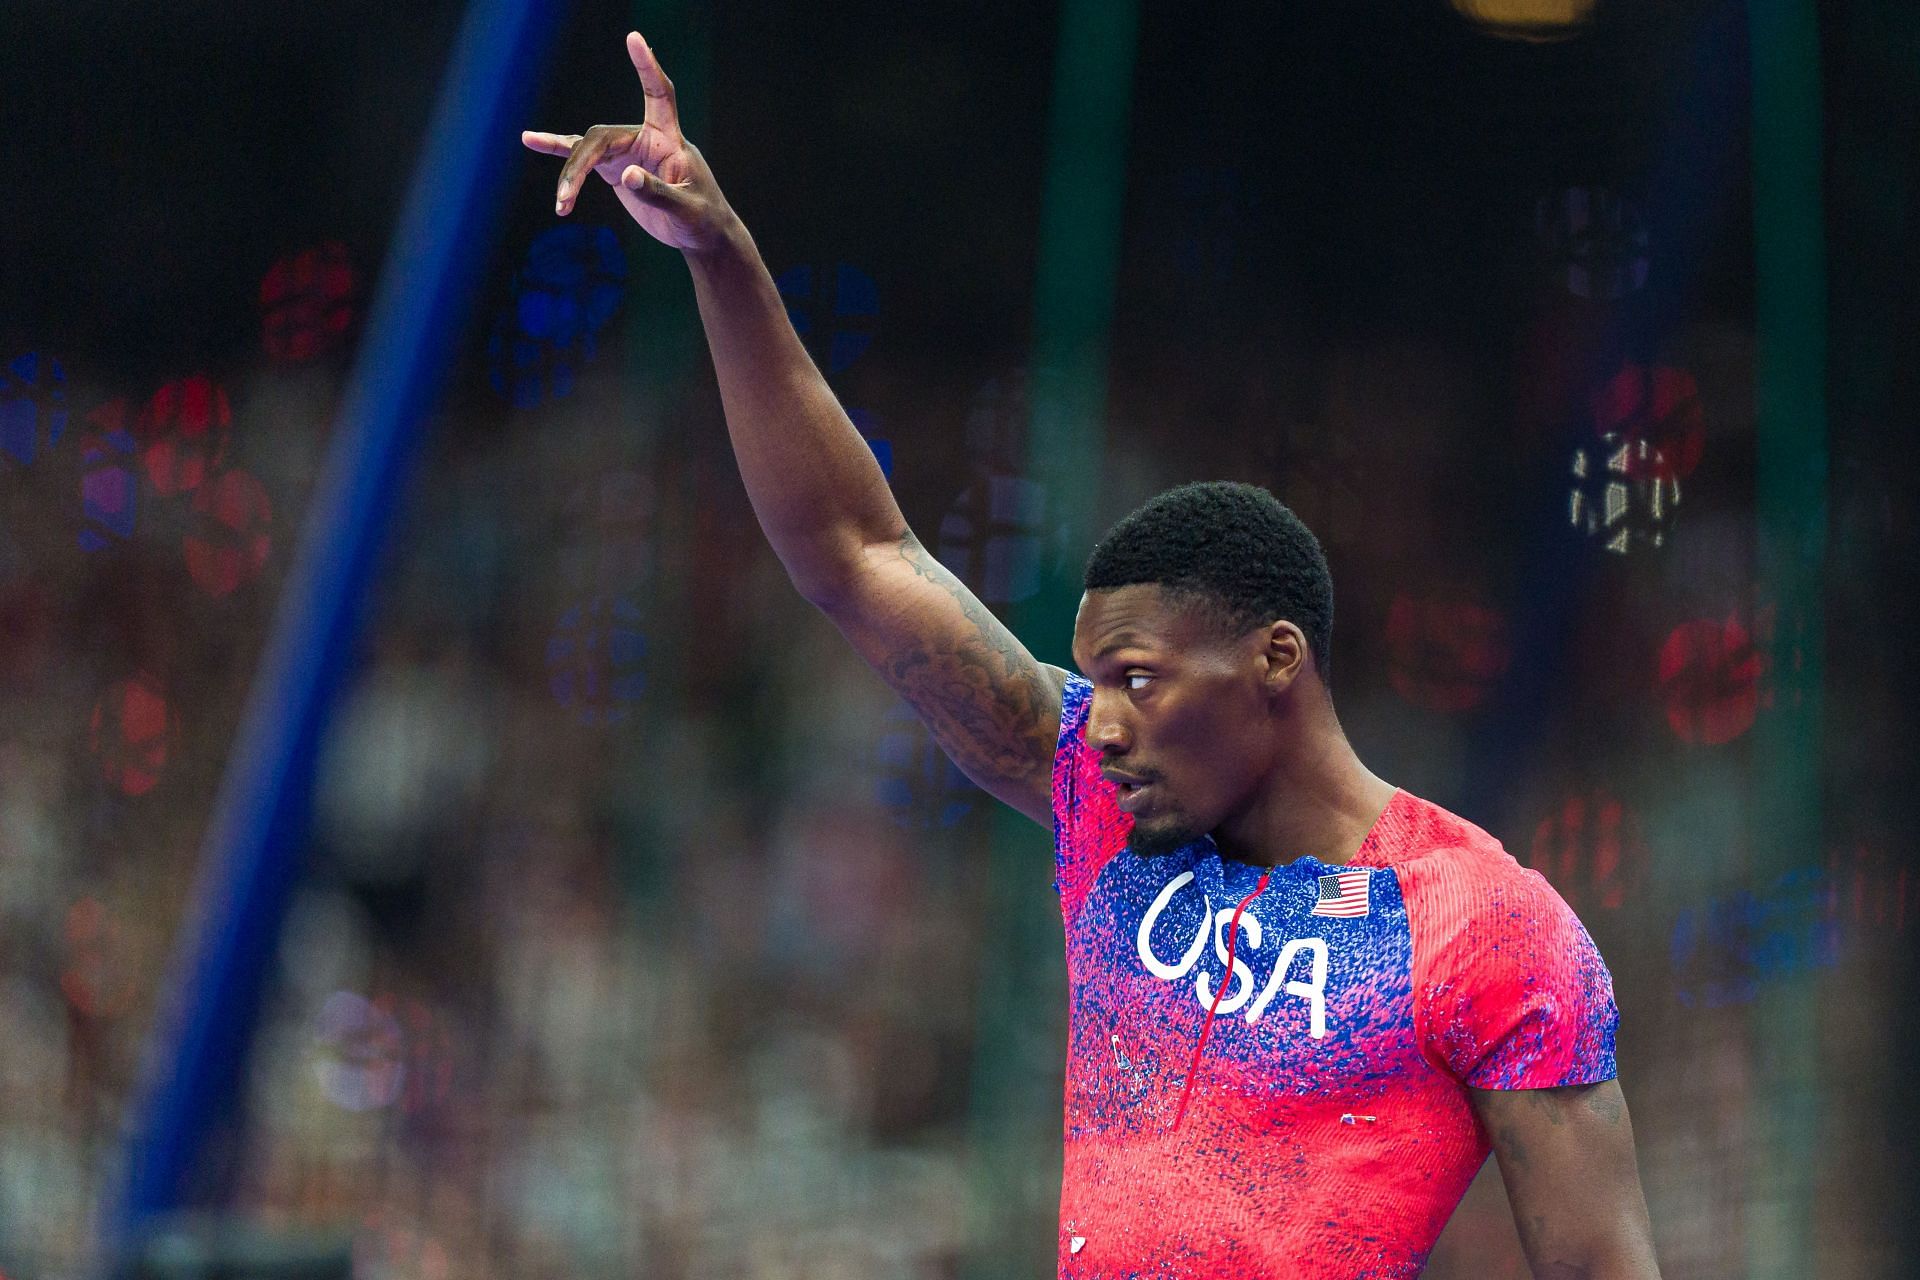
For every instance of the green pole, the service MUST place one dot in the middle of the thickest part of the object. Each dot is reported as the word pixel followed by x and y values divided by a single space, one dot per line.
pixel 664 338
pixel 1016 1102
pixel 1791 510
pixel 664 347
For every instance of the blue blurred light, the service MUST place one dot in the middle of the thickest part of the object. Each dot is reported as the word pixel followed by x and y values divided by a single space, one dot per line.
pixel 868 426
pixel 566 292
pixel 595 657
pixel 919 786
pixel 994 537
pixel 1726 948
pixel 109 489
pixel 33 407
pixel 837 329
pixel 1598 241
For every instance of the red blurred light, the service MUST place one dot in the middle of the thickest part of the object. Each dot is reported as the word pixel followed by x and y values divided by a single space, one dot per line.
pixel 1445 653
pixel 1591 850
pixel 97 979
pixel 129 731
pixel 307 302
pixel 1870 887
pixel 183 432
pixel 1710 678
pixel 1660 408
pixel 231 537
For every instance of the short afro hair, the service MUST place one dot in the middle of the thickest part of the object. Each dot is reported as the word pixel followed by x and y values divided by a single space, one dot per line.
pixel 1233 549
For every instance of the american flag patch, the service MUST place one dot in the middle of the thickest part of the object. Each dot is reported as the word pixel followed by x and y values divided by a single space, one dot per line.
pixel 1342 894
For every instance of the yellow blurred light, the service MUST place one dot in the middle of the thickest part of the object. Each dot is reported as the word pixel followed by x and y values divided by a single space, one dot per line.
pixel 1536 20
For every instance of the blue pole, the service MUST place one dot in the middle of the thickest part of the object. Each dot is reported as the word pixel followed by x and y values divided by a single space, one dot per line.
pixel 249 864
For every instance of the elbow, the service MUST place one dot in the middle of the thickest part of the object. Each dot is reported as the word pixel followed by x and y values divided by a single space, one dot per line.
pixel 824 594
pixel 835 578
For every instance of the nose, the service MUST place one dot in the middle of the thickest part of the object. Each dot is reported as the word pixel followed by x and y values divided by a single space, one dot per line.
pixel 1107 730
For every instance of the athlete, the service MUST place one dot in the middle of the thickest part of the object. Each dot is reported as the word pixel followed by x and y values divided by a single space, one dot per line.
pixel 1305 1004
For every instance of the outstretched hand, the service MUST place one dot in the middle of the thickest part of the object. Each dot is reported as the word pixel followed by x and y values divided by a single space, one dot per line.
pixel 659 176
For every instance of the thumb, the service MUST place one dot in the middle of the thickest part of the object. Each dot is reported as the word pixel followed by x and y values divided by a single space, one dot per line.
pixel 649 188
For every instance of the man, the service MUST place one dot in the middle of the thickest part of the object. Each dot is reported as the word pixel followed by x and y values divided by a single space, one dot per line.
pixel 1305 1004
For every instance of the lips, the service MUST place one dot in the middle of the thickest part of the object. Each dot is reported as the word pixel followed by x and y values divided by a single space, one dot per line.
pixel 1133 799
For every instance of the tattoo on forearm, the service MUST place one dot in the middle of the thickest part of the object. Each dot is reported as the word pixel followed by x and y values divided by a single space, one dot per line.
pixel 987 701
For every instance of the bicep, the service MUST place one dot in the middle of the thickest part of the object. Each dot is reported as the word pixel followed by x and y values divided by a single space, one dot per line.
pixel 1566 1155
pixel 990 704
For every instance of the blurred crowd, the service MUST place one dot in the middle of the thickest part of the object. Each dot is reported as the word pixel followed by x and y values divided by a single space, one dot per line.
pixel 641 932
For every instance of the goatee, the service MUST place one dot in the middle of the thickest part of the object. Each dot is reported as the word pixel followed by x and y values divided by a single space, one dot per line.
pixel 1158 844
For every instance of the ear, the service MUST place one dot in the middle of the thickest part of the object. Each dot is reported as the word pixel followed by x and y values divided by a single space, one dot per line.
pixel 1286 656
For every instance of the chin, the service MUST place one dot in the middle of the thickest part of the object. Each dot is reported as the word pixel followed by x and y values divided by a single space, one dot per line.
pixel 1158 839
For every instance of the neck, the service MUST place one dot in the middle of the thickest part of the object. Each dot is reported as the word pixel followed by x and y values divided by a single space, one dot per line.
pixel 1318 800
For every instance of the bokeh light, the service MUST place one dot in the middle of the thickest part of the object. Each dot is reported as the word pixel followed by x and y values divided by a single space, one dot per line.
pixel 595 659
pixel 33 407
pixel 994 537
pixel 1658 413
pixel 997 422
pixel 869 428
pixel 566 292
pixel 834 309
pixel 358 1053
pixel 1709 673
pixel 307 302
pixel 183 433
pixel 524 1021
pixel 231 534
pixel 1624 494
pixel 131 732
pixel 1530 20
pixel 1597 240
pixel 98 979
pixel 918 784
pixel 1592 849
pixel 1725 949
pixel 109 488
pixel 1445 652
pixel 1870 887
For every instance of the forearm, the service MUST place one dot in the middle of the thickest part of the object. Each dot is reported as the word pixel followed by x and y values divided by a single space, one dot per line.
pixel 818 492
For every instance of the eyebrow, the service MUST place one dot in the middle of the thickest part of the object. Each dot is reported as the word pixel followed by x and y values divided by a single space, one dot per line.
pixel 1126 639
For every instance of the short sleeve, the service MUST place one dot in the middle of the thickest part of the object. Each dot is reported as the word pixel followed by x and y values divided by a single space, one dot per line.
pixel 1510 992
pixel 1088 826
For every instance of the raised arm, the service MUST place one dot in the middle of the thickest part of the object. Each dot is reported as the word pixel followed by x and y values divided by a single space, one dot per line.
pixel 818 493
pixel 1566 1155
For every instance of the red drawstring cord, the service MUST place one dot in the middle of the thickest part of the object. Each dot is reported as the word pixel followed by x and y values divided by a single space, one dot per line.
pixel 1233 936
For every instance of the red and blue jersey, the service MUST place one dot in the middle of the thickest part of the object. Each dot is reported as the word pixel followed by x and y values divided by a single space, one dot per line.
pixel 1327 1129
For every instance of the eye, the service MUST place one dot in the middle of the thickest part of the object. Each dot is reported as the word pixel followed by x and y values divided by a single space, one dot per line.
pixel 1141 676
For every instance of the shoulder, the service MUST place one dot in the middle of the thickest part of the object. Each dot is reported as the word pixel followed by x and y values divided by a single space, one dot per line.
pixel 1508 987
pixel 1452 873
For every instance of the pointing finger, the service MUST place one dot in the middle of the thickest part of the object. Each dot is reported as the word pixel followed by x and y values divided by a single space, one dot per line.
pixel 552 144
pixel 662 111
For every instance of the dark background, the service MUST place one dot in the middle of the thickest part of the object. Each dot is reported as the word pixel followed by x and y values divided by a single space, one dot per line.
pixel 681 975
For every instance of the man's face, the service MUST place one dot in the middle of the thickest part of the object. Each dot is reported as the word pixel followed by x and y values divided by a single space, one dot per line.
pixel 1177 708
